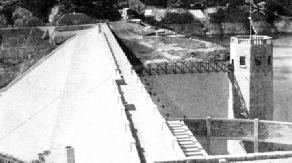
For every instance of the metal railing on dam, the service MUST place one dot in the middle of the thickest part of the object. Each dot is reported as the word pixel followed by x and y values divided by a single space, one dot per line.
pixel 133 93
pixel 181 67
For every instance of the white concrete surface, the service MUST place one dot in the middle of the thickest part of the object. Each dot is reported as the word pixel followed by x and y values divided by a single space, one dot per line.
pixel 70 99
pixel 158 144
pixel 67 100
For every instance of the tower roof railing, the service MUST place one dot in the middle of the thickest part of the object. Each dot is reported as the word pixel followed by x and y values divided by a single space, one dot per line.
pixel 251 40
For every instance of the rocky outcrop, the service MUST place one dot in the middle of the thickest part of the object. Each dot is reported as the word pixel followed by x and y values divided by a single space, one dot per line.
pixel 24 18
pixel 21 13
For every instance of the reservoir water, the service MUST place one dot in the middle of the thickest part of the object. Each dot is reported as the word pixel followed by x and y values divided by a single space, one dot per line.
pixel 202 95
pixel 283 78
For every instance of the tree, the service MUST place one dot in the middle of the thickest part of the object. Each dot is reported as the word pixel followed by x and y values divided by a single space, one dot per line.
pixel 136 5
pixel 42 156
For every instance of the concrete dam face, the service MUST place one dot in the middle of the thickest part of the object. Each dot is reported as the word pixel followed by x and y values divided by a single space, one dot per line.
pixel 55 96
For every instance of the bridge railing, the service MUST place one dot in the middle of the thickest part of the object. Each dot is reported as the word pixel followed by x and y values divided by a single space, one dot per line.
pixel 181 67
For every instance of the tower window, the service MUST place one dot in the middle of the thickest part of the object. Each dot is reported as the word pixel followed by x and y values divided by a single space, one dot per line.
pixel 258 61
pixel 269 60
pixel 242 61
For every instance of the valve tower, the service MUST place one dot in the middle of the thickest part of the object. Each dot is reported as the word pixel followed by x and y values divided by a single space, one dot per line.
pixel 251 77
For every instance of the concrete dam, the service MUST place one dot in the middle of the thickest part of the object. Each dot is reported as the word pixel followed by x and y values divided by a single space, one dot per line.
pixel 85 103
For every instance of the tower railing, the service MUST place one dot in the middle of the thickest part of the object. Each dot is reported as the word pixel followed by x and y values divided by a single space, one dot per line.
pixel 251 40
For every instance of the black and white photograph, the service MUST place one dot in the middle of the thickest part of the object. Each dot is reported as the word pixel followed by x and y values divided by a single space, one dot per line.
pixel 145 81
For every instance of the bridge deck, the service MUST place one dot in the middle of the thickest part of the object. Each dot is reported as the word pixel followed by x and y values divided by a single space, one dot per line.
pixel 182 67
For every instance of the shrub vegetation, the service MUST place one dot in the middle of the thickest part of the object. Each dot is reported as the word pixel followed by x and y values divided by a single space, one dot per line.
pixel 172 18
pixel 178 18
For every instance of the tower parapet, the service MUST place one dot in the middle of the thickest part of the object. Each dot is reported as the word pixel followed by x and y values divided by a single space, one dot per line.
pixel 251 40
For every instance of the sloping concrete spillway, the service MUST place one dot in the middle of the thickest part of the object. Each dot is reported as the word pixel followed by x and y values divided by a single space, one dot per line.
pixel 66 100
pixel 72 98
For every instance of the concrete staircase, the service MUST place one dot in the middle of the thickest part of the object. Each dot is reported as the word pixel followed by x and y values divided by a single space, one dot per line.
pixel 187 142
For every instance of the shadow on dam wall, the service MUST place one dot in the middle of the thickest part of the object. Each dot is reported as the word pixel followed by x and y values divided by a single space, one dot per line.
pixel 129 53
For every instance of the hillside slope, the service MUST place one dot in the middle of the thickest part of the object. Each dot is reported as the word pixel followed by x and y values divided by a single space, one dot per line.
pixel 143 44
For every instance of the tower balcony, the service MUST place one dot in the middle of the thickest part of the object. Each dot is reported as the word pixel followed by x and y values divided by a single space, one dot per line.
pixel 251 40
